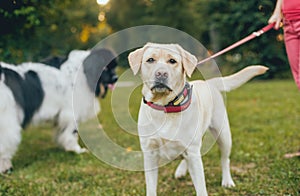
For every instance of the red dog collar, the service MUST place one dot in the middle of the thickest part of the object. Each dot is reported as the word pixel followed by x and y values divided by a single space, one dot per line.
pixel 179 104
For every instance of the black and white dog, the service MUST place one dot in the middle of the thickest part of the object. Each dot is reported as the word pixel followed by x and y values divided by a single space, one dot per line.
pixel 33 92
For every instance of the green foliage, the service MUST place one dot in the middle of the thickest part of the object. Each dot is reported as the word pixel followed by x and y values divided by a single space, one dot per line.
pixel 36 29
pixel 215 23
pixel 240 18
pixel 177 14
pixel 264 122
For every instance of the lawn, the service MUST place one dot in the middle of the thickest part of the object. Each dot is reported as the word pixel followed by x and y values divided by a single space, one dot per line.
pixel 265 123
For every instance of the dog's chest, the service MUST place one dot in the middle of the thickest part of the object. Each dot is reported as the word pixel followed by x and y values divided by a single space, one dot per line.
pixel 171 134
pixel 183 128
pixel 166 149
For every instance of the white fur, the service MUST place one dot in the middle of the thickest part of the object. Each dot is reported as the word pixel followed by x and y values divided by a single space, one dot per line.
pixel 58 87
pixel 83 99
pixel 9 127
pixel 165 136
pixel 182 134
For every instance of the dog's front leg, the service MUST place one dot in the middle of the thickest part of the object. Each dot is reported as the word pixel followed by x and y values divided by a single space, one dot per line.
pixel 67 135
pixel 196 171
pixel 151 172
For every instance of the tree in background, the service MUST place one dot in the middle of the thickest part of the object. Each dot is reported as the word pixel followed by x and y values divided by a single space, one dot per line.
pixel 34 29
pixel 235 19
pixel 215 23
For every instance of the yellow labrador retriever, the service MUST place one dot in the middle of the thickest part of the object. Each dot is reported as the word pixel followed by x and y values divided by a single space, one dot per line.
pixel 175 114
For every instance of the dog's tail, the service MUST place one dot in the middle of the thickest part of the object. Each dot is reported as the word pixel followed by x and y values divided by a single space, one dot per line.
pixel 234 81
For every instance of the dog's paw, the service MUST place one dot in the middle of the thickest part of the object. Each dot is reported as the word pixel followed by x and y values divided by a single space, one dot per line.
pixel 5 166
pixel 181 170
pixel 179 174
pixel 81 150
pixel 228 183
pixel 77 150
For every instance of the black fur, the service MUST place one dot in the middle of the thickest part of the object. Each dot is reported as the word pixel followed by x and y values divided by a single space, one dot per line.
pixel 0 71
pixel 54 61
pixel 99 67
pixel 27 91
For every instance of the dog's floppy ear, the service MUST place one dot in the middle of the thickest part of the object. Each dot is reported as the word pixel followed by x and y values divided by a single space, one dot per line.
pixel 135 60
pixel 189 61
pixel 94 64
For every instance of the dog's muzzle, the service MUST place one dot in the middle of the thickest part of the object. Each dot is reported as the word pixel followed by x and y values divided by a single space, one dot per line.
pixel 161 82
pixel 159 87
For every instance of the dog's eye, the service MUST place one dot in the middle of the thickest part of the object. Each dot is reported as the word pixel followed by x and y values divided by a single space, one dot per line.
pixel 150 60
pixel 172 61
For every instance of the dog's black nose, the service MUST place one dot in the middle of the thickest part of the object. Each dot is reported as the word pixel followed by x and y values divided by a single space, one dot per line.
pixel 161 75
pixel 114 78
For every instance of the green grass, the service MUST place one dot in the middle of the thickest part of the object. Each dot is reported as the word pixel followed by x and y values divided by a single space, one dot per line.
pixel 265 123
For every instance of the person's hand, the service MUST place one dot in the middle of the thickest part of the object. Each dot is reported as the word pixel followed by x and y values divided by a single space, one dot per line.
pixel 276 18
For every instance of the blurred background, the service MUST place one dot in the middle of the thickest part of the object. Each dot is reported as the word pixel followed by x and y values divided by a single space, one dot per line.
pixel 31 30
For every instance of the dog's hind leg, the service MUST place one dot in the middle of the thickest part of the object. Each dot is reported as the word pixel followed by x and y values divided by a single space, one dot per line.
pixel 9 142
pixel 221 131
pixel 181 170
pixel 10 128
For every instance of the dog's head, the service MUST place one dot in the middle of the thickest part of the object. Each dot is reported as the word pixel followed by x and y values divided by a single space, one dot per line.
pixel 100 61
pixel 163 69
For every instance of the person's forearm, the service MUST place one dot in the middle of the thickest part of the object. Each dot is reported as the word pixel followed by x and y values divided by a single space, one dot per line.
pixel 278 7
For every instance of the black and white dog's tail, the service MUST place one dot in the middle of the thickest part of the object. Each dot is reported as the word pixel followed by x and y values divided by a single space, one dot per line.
pixel 54 61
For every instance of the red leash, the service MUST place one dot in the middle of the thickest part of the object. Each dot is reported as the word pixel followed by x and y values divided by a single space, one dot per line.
pixel 238 43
